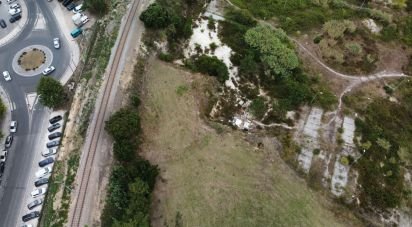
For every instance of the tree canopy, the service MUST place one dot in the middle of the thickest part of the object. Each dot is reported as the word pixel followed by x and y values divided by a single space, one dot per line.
pixel 156 16
pixel 123 125
pixel 51 92
pixel 272 44
pixel 212 66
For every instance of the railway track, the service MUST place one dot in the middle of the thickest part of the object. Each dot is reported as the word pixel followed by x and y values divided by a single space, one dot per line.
pixel 101 115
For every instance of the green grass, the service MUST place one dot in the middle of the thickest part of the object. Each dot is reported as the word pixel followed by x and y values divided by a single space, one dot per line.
pixel 296 15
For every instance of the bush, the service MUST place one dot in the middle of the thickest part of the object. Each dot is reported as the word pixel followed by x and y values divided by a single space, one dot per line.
pixel 211 66
pixel 389 33
pixel 123 125
pixel 155 16
pixel 3 109
pixel 51 92
pixel 99 7
pixel 258 107
pixel 165 57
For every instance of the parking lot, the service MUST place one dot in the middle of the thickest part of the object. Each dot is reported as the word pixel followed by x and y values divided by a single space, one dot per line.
pixel 39 149
pixel 6 14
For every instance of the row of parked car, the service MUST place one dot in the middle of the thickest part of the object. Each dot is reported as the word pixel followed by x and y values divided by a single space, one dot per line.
pixel 7 145
pixel 46 167
pixel 14 11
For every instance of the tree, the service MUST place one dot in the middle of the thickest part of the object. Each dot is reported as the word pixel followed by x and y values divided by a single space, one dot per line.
pixel 99 7
pixel 124 150
pixel 212 66
pixel 409 5
pixel 156 16
pixel 274 49
pixel 124 125
pixel 51 92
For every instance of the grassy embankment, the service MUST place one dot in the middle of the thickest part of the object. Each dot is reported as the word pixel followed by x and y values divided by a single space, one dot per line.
pixel 212 177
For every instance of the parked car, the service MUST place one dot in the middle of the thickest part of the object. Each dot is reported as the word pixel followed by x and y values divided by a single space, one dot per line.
pixel 13 12
pixel 78 9
pixel 15 18
pixel 13 126
pixel 71 6
pixel 10 1
pixel 49 152
pixel 56 43
pixel 46 161
pixel 3 23
pixel 38 192
pixel 27 225
pixel 67 2
pixel 34 204
pixel 55 135
pixel 9 141
pixel 41 181
pixel 55 119
pixel 48 70
pixel 3 156
pixel 54 143
pixel 53 127
pixel 42 172
pixel 30 216
pixel 6 74
pixel 14 6
pixel 2 166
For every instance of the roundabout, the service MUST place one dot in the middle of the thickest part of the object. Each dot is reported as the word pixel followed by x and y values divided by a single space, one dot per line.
pixel 32 60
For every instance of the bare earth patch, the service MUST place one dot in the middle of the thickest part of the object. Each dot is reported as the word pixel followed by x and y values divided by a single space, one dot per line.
pixel 31 60
pixel 212 176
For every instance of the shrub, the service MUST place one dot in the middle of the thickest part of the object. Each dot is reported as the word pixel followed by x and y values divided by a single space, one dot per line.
pixel 135 100
pixel 336 28
pixel 354 48
pixel 51 92
pixel 123 125
pixel 389 33
pixel 211 66
pixel 99 7
pixel 165 57
pixel 156 16
pixel 258 107
pixel 3 109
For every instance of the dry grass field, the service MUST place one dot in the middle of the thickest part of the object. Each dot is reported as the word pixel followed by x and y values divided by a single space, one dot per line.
pixel 210 176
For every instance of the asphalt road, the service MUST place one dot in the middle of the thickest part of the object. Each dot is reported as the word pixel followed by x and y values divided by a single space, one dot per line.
pixel 23 155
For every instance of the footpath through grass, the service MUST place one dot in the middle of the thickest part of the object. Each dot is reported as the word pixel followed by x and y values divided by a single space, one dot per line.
pixel 217 179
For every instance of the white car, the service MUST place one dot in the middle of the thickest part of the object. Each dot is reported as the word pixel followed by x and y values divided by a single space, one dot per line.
pixel 49 152
pixel 42 172
pixel 10 1
pixel 14 6
pixel 48 70
pixel 78 9
pixel 13 12
pixel 6 75
pixel 84 19
pixel 13 126
pixel 3 156
pixel 56 43
pixel 38 192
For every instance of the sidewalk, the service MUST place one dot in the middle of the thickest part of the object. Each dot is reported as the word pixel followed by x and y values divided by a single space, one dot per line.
pixel 66 27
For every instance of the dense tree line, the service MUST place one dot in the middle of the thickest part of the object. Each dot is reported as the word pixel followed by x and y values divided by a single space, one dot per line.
pixel 132 179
